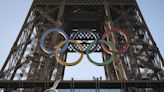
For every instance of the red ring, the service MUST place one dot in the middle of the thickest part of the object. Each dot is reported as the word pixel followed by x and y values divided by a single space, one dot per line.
pixel 122 32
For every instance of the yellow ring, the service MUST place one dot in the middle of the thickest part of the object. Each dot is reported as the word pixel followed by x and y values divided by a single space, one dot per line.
pixel 61 61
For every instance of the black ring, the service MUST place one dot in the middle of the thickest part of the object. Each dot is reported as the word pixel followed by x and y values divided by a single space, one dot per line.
pixel 80 31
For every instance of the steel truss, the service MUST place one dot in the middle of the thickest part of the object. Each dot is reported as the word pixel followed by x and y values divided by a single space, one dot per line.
pixel 157 86
pixel 27 61
pixel 84 84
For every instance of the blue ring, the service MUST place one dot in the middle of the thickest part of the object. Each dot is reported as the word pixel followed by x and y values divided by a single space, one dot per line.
pixel 51 51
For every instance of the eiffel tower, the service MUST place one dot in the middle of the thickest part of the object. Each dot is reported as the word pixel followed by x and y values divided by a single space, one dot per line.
pixel 32 64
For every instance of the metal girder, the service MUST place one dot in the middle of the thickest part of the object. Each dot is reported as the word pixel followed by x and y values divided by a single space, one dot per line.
pixel 119 71
pixel 44 70
pixel 130 19
pixel 89 14
pixel 154 44
pixel 20 45
pixel 46 16
pixel 84 2
pixel 88 84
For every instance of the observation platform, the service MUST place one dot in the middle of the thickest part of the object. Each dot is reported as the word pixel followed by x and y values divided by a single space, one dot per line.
pixel 83 84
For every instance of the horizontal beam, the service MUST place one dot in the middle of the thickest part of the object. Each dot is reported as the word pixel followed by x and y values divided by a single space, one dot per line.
pixel 84 2
pixel 91 84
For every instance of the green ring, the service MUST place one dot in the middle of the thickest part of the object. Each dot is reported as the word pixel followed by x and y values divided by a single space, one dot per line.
pixel 109 44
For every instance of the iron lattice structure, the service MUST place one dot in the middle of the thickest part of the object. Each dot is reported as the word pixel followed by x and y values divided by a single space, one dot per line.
pixel 26 67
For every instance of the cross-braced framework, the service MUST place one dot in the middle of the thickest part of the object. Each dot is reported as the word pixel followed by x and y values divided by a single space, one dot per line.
pixel 29 69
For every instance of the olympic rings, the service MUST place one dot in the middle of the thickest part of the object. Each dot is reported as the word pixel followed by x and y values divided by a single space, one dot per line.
pixel 122 32
pixel 110 45
pixel 96 38
pixel 112 51
pixel 64 63
pixel 50 51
